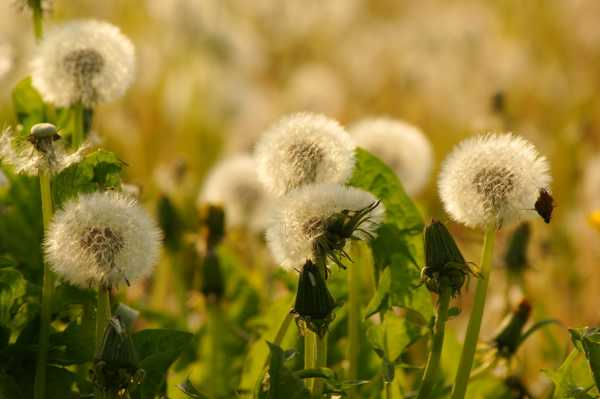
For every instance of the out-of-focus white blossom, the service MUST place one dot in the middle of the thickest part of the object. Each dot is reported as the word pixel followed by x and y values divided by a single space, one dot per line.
pixel 6 59
pixel 102 240
pixel 26 159
pixel 301 217
pixel 302 149
pixel 83 61
pixel 234 185
pixel 403 147
pixel 316 88
pixel 492 180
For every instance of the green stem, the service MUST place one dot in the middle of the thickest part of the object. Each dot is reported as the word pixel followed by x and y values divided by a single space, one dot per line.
pixel 102 314
pixel 310 358
pixel 433 362
pixel 470 343
pixel 354 314
pixel 160 286
pixel 321 362
pixel 215 334
pixel 38 28
pixel 78 126
pixel 47 293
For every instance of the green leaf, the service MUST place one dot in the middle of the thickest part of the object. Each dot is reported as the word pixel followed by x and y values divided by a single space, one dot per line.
pixel 190 390
pixel 13 287
pixel 568 379
pixel 28 105
pixel 99 170
pixel 588 340
pixel 400 333
pixel 282 382
pixel 397 249
pixel 157 350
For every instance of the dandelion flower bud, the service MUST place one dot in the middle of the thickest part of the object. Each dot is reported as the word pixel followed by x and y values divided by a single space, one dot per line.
pixel 41 152
pixel 491 180
pixel 102 239
pixel 319 218
pixel 85 62
pixel 233 184
pixel 303 149
pixel 403 147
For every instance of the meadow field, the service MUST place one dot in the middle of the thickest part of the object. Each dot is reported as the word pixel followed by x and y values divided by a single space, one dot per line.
pixel 293 199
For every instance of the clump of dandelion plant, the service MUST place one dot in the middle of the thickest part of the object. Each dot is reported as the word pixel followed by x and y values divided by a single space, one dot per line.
pixel 41 154
pixel 488 182
pixel 403 147
pixel 311 226
pixel 83 63
pixel 303 149
pixel 102 240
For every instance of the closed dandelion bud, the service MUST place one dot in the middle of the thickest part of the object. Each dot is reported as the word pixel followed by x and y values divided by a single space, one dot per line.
pixel 509 337
pixel 116 367
pixel 213 286
pixel 212 218
pixel 445 265
pixel 169 222
pixel 515 257
pixel 314 303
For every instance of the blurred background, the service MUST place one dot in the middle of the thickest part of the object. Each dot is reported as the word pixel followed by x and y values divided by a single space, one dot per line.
pixel 213 74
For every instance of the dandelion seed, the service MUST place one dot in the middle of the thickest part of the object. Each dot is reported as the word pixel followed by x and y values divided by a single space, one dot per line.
pixel 492 180
pixel 84 62
pixel 29 157
pixel 303 149
pixel 317 214
pixel 102 239
pixel 234 184
pixel 403 147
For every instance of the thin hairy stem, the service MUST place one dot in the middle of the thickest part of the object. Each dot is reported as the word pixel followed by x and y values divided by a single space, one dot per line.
pixel 310 356
pixel 433 362
pixel 470 344
pixel 39 388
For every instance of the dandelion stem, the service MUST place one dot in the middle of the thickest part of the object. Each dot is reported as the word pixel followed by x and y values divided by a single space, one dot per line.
pixel 47 293
pixel 321 362
pixel 354 313
pixel 310 358
pixel 215 331
pixel 78 125
pixel 102 314
pixel 470 343
pixel 433 362
pixel 38 27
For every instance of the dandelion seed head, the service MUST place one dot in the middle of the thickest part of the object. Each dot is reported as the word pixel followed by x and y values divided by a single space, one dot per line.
pixel 301 149
pixel 403 147
pixel 234 185
pixel 83 61
pixel 492 180
pixel 28 158
pixel 102 239
pixel 301 217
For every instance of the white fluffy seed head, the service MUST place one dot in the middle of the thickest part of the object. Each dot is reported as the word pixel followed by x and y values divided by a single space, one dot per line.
pixel 233 184
pixel 83 61
pixel 403 147
pixel 299 219
pixel 102 239
pixel 25 159
pixel 301 149
pixel 492 180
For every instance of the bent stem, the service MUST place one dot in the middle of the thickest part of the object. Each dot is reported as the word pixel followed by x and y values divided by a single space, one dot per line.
pixel 310 358
pixel 102 314
pixel 470 345
pixel 321 362
pixel 433 362
pixel 47 293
